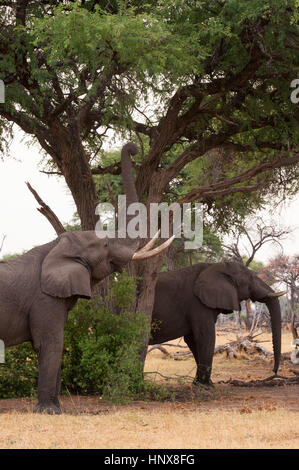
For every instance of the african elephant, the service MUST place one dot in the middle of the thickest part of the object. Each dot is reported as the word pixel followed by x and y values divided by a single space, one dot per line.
pixel 38 289
pixel 188 301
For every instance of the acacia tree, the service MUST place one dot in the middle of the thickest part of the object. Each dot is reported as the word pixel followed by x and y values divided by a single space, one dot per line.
pixel 189 79
pixel 285 269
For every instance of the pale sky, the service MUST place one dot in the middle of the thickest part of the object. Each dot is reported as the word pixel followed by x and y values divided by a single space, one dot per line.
pixel 20 221
pixel 25 227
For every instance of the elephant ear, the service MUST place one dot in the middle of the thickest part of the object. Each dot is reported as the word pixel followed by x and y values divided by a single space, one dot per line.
pixel 64 272
pixel 215 288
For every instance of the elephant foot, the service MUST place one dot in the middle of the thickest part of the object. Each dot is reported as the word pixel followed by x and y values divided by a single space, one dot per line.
pixel 203 383
pixel 49 408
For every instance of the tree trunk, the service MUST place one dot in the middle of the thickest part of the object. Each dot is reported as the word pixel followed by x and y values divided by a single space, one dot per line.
pixel 73 163
pixel 79 179
pixel 238 320
pixel 146 294
pixel 171 258
pixel 248 314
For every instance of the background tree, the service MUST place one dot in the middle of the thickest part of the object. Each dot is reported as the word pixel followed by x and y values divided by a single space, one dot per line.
pixel 285 269
pixel 252 236
pixel 202 86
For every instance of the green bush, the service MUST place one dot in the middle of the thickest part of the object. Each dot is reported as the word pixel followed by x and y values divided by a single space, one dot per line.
pixel 101 351
pixel 18 376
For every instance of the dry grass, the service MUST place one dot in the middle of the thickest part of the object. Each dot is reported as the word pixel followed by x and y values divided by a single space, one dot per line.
pixel 138 428
pixel 228 417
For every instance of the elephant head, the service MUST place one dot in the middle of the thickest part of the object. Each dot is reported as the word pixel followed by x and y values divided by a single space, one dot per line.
pixel 223 286
pixel 79 260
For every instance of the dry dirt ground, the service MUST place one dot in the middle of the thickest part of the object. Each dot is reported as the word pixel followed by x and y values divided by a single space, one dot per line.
pixel 225 416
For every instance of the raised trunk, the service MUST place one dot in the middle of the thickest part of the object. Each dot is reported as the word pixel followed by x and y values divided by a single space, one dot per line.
pixel 129 185
pixel 126 171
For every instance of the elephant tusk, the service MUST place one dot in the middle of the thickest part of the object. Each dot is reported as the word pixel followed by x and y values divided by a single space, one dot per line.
pixel 148 254
pixel 150 244
pixel 277 294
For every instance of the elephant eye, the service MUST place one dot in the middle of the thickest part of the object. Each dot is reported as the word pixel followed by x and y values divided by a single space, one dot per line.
pixel 106 244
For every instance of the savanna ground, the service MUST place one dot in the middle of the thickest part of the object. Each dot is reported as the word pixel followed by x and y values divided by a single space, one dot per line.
pixel 196 418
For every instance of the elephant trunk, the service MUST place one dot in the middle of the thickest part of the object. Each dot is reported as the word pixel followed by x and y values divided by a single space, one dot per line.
pixel 131 197
pixel 126 169
pixel 129 186
pixel 275 316
pixel 263 293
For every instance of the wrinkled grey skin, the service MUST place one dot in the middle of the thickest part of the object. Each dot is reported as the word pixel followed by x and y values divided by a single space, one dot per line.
pixel 188 301
pixel 39 288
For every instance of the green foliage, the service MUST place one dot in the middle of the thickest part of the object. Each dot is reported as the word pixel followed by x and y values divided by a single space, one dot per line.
pixel 18 376
pixel 74 225
pixel 140 42
pixel 101 351
pixel 125 60
pixel 10 256
pixel 256 266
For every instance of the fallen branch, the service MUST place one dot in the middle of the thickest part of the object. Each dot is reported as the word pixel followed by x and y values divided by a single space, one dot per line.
pixel 160 347
pixel 175 377
pixel 233 349
pixel 245 344
pixel 161 375
pixel 272 381
pixel 176 356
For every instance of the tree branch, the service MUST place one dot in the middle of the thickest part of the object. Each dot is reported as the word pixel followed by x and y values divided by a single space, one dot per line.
pixel 47 212
pixel 2 242
pixel 225 187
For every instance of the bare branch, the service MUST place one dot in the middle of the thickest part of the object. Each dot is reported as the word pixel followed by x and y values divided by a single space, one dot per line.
pixel 2 242
pixel 47 212
pixel 257 234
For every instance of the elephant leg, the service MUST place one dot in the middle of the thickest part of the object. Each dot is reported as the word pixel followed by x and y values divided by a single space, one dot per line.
pixel 58 389
pixel 47 337
pixel 189 340
pixel 202 344
pixel 49 359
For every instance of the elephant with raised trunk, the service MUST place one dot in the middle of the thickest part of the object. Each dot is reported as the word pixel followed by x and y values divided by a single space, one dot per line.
pixel 39 288
pixel 188 302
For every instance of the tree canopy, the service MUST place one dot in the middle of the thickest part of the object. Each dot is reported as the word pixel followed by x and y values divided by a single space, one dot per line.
pixel 204 84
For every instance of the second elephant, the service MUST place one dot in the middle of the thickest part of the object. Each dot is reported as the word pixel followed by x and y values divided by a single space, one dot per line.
pixel 188 302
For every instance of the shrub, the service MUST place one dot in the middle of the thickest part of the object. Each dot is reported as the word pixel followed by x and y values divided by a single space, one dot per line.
pixel 101 351
pixel 18 376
